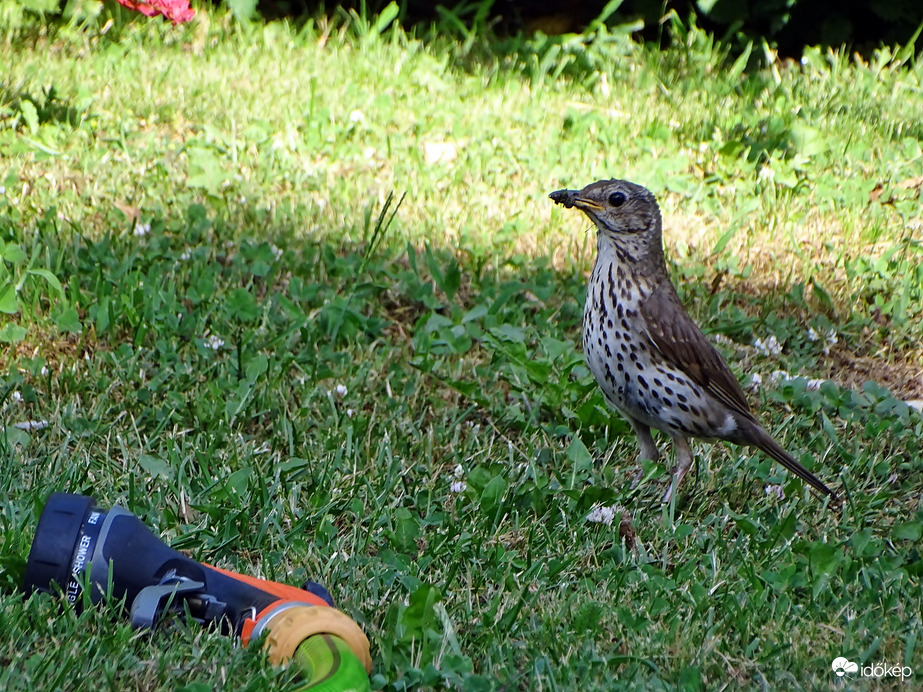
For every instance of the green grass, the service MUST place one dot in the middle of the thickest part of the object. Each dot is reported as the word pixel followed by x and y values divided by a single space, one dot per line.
pixel 167 189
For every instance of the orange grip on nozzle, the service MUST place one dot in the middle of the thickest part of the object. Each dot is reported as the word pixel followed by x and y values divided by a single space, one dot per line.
pixel 283 591
pixel 288 625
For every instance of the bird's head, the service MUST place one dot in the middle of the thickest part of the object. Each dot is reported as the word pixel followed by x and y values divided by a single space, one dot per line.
pixel 625 213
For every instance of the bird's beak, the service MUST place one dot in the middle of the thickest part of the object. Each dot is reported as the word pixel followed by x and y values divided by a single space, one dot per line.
pixel 571 198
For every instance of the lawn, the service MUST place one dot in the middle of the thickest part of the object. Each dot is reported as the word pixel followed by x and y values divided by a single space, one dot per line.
pixel 296 297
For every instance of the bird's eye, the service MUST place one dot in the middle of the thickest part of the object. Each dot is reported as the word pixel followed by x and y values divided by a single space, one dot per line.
pixel 617 199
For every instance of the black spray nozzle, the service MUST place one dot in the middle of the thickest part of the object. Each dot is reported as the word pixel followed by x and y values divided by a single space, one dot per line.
pixel 78 545
pixel 55 547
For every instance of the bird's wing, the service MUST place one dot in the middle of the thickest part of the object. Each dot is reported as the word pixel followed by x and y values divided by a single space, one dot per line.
pixel 684 346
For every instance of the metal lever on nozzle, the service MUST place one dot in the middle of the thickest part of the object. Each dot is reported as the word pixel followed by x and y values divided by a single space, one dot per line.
pixel 172 593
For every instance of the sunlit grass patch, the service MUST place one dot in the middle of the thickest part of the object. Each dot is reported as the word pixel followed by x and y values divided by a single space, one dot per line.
pixel 225 336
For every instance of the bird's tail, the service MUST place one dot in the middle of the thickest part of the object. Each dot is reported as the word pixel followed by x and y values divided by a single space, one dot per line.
pixel 764 441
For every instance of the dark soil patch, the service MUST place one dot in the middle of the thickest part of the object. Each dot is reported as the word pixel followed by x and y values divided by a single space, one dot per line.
pixel 904 380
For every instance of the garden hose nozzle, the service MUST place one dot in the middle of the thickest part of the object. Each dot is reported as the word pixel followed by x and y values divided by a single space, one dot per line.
pixel 79 547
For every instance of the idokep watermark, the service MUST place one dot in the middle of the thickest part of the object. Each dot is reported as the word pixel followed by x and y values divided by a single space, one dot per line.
pixel 843 666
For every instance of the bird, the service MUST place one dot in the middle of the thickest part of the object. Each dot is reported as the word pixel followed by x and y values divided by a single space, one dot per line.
pixel 650 359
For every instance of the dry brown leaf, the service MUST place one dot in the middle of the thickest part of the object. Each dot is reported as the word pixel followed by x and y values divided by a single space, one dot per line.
pixel 131 213
pixel 875 193
pixel 627 531
pixel 911 183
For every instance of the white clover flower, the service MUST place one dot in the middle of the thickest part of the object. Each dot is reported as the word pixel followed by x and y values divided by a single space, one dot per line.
pixel 601 514
pixel 356 116
pixel 350 412
pixel 141 230
pixel 458 487
pixel 16 397
pixel 340 390
pixel 276 252
pixel 775 490
pixel 755 381
pixel 769 346
pixel 459 471
pixel 779 376
pixel 2 190
pixel 214 342
pixel 766 173
pixel 187 253
pixel 830 338
pixel 44 371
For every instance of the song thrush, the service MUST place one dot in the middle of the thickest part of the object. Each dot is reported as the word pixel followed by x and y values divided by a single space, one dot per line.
pixel 650 359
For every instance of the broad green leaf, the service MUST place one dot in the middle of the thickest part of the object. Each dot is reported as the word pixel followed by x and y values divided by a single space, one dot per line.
pixel 451 280
pixel 9 301
pixel 155 466
pixel 406 530
pixel 50 278
pixel 67 320
pixel 242 305
pixel 385 17
pixel 40 6
pixel 256 367
pixel 912 531
pixel 421 611
pixel 205 170
pixel 724 240
pixel 243 10
pixel 29 114
pixel 740 64
pixel 12 253
pixel 579 455
pixel 475 313
pixel 239 481
pixel 508 332
pixel 492 494
pixel 236 402
pixel 12 333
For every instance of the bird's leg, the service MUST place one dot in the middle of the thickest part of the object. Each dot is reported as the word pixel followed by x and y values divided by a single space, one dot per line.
pixel 683 464
pixel 649 450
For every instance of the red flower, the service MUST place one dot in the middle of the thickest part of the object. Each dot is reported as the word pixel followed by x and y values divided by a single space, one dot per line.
pixel 177 11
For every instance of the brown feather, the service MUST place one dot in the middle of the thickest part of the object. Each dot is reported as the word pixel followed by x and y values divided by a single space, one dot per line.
pixel 684 346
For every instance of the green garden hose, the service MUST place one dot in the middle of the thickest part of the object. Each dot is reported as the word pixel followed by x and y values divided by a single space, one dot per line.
pixel 330 665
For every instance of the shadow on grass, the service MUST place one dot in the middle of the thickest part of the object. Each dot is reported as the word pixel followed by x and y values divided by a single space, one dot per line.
pixel 22 108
